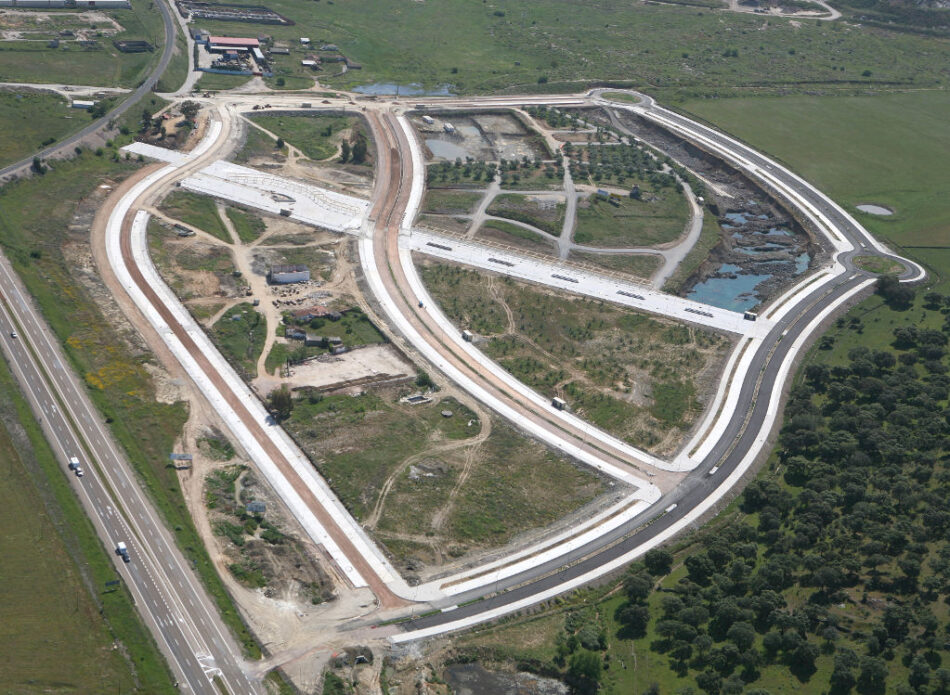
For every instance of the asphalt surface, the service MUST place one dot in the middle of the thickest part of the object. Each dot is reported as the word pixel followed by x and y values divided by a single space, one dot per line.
pixel 732 447
pixel 167 592
pixel 67 145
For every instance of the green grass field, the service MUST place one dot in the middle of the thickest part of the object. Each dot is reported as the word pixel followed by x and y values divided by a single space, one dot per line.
pixel 318 137
pixel 104 65
pixel 196 210
pixel 60 623
pixel 507 233
pixel 632 222
pixel 247 224
pixel 638 265
pixel 888 149
pixel 31 120
pixel 450 202
pixel 217 82
pixel 239 334
pixel 478 47
pixel 546 215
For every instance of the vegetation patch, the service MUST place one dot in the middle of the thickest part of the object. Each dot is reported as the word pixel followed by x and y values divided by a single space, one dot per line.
pixel 447 202
pixel 261 555
pixel 217 82
pixel 637 264
pixel 257 143
pixel 247 224
pixel 617 222
pixel 878 265
pixel 546 212
pixel 321 137
pixel 29 121
pixel 638 377
pixel 450 174
pixel 239 334
pixel 196 210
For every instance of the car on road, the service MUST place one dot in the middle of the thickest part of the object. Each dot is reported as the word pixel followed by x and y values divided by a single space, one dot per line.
pixel 75 466
pixel 122 550
pixel 13 334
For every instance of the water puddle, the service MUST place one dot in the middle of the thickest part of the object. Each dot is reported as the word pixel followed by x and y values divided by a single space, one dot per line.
pixel 873 209
pixel 474 679
pixel 410 90
pixel 763 254
pixel 446 150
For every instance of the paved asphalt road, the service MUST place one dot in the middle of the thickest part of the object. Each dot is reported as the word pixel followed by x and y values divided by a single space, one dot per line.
pixel 67 145
pixel 733 445
pixel 168 593
pixel 181 616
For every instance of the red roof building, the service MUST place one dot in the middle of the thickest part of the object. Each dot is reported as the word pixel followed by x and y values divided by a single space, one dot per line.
pixel 233 42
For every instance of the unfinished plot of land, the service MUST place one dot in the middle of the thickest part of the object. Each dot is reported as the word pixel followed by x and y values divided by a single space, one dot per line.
pixel 319 137
pixel 480 137
pixel 639 265
pixel 643 379
pixel 199 271
pixel 329 150
pixel 428 478
pixel 655 217
pixel 260 553
pixel 515 235
pixel 542 211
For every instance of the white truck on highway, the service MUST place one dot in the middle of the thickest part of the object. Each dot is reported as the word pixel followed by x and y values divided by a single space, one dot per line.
pixel 123 551
pixel 75 466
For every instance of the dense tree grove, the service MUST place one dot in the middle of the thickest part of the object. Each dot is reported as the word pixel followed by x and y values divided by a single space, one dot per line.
pixel 842 549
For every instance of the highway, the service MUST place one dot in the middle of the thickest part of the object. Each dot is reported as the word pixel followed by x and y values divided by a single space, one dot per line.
pixel 167 592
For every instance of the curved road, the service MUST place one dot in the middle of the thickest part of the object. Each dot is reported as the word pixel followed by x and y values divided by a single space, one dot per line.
pixel 747 430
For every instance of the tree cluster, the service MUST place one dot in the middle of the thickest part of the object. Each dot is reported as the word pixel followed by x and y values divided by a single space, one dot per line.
pixel 842 552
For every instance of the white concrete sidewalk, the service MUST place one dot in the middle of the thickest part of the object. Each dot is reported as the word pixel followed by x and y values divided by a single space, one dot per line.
pixel 579 281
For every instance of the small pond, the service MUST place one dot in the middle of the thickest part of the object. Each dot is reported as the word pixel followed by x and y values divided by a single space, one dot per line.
pixel 474 679
pixel 873 209
pixel 446 150
pixel 409 90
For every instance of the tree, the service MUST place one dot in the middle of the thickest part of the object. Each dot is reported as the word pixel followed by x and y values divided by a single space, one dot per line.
pixel 742 635
pixel 584 671
pixel 637 587
pixel 281 402
pixel 281 81
pixel 279 144
pixel 898 296
pixel 190 109
pixel 37 167
pixel 634 619
pixel 146 120
pixel 359 150
pixel 345 151
pixel 658 561
pixel 873 675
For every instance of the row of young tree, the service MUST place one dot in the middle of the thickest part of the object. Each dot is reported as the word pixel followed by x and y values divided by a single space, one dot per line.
pixel 843 551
